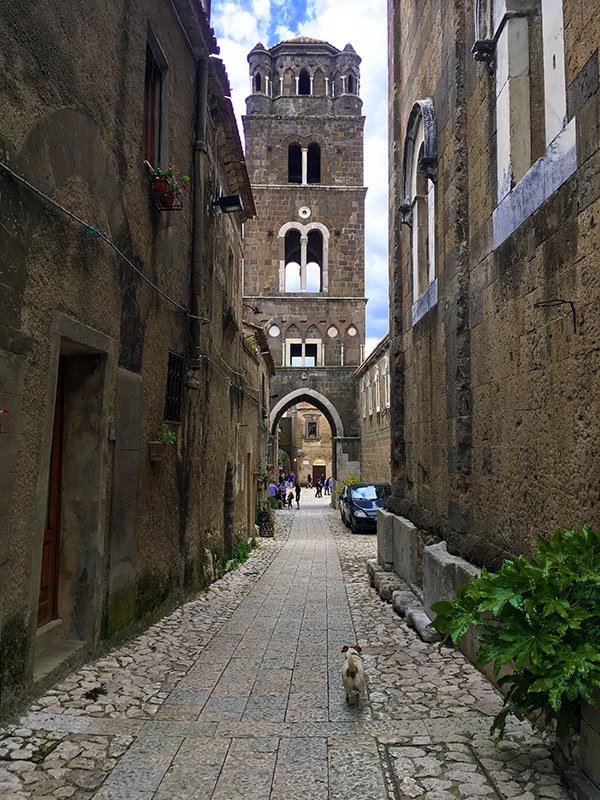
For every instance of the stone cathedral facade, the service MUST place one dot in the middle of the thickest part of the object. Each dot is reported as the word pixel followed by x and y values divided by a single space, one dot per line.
pixel 304 252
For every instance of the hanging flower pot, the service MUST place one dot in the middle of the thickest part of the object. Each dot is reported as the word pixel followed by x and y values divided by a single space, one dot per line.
pixel 166 187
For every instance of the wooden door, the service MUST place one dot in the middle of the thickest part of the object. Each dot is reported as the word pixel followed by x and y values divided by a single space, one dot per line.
pixel 49 572
pixel 318 472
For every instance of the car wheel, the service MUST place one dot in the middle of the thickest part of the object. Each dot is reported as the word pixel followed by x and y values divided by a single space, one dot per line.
pixel 353 526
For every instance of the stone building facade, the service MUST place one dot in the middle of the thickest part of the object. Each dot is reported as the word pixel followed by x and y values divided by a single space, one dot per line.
pixel 494 198
pixel 304 251
pixel 374 388
pixel 120 311
pixel 305 438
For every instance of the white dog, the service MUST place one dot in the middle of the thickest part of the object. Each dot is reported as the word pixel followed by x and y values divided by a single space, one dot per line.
pixel 353 674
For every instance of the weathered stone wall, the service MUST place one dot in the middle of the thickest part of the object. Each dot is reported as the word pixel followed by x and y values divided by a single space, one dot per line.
pixel 494 415
pixel 374 408
pixel 102 298
pixel 496 410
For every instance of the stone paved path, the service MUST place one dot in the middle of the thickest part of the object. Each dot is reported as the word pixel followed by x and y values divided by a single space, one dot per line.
pixel 238 695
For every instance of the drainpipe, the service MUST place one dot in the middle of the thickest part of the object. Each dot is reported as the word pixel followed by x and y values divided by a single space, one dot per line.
pixel 199 211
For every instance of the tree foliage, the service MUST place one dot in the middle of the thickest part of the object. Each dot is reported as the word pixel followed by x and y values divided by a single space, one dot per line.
pixel 540 615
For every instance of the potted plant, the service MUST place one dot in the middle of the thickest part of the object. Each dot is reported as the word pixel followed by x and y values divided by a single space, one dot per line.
pixel 163 437
pixel 167 186
pixel 264 519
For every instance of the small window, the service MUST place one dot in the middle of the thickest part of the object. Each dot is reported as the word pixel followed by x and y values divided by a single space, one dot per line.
pixel 294 164
pixel 257 82
pixel 153 107
pixel 304 82
pixel 174 388
pixel 350 83
pixel 313 172
pixel 311 430
pixel 303 354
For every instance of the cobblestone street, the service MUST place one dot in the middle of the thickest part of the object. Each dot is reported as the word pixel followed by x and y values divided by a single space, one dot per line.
pixel 238 695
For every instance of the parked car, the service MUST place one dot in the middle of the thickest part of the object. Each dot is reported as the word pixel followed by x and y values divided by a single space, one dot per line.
pixel 359 503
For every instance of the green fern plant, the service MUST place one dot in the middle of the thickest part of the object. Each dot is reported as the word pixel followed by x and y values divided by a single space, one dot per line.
pixel 540 615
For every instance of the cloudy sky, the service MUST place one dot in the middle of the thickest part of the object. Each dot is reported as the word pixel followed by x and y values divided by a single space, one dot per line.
pixel 240 24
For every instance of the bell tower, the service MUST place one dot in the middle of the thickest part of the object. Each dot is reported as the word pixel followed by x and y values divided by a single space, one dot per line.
pixel 304 251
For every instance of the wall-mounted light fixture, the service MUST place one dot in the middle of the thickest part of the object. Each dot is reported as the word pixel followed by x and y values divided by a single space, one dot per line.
pixel 228 205
pixel 254 309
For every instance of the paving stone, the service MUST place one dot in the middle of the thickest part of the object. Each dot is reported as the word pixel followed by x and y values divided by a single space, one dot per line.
pixel 238 694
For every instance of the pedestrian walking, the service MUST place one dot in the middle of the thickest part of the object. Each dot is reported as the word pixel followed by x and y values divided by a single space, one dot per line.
pixel 319 488
pixel 309 482
pixel 327 487
pixel 297 490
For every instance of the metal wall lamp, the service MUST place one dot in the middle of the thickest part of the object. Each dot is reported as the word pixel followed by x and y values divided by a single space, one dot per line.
pixel 254 309
pixel 229 204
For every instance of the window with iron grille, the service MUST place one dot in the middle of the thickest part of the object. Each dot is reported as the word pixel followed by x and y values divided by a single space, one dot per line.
pixel 174 388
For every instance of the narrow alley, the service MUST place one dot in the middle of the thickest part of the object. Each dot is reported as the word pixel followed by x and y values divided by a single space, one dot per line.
pixel 238 695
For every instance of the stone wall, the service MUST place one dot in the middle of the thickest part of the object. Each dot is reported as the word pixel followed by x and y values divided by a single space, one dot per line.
pixel 496 405
pixel 95 299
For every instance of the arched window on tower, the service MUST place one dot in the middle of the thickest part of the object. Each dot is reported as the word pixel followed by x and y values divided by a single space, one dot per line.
pixel 313 172
pixel 304 82
pixel 314 262
pixel 257 82
pixel 304 254
pixel 294 164
pixel 292 261
pixel 303 352
pixel 350 83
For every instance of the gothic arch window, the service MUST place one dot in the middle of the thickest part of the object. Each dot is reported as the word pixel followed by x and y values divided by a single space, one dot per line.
pixel 314 262
pixel 350 83
pixel 301 352
pixel 418 203
pixel 295 160
pixel 292 256
pixel 304 257
pixel 363 398
pixel 313 171
pixel 385 374
pixel 257 82
pixel 377 390
pixel 369 394
pixel 304 82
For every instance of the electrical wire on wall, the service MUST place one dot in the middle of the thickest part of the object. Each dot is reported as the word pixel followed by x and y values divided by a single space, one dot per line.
pixel 91 230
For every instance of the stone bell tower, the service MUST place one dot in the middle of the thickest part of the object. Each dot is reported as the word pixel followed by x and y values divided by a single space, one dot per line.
pixel 304 251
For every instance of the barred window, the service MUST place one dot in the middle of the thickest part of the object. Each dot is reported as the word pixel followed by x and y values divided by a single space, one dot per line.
pixel 174 388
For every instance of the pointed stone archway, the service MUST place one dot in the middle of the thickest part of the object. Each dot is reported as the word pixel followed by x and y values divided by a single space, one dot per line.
pixel 345 449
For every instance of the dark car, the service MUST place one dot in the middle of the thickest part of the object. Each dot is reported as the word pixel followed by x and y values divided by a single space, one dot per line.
pixel 359 503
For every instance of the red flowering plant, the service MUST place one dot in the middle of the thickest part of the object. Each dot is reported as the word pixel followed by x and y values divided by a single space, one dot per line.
pixel 3 411
pixel 172 175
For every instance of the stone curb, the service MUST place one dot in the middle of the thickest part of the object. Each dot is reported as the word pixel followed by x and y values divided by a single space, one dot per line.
pixel 405 602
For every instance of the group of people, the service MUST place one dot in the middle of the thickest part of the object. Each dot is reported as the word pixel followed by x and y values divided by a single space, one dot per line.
pixel 285 491
pixel 323 486
pixel 289 488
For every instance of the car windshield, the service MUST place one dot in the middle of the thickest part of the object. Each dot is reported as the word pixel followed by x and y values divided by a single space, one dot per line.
pixel 370 496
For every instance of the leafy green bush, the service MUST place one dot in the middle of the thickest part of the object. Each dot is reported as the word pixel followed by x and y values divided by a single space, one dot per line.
pixel 351 479
pixel 541 616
